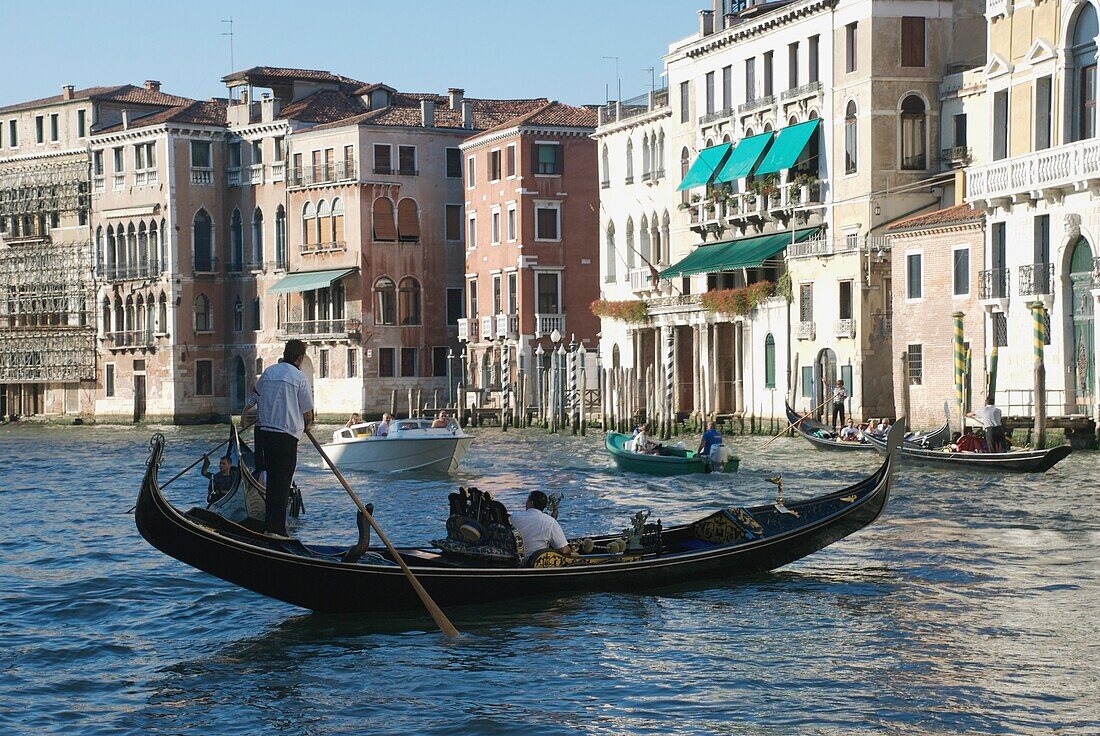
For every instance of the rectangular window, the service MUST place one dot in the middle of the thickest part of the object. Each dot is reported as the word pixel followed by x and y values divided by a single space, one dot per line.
pixel 383 158
pixel 549 301
pixel 454 163
pixel 408 363
pixel 257 315
pixel 510 160
pixel 547 222
pixel 914 364
pixel 387 362
pixel 1000 329
pixel 769 68
pixel 97 163
pixel 256 153
pixel 750 79
pixel 494 230
pixel 769 361
pixel 960 129
pixel 960 282
pixel 453 225
pixel 513 293
pixel 233 159
pixel 1042 239
pixel 806 302
pixel 710 92
pixel 55 132
pixel 280 148
pixel 13 133
pixel 548 159
pixel 201 156
pixel 151 155
pixel 1000 125
pixel 727 88
pixel 406 160
pixel 807 381
pixel 471 231
pixel 1043 114
pixel 81 123
pixel 845 306
pixel 439 361
pixel 471 172
pixel 912 41
pixel 512 224
pixel 849 383
pixel 494 165
pixel 813 73
pixel 913 283
pixel 323 363
pixel 454 305
pixel 998 252
pixel 204 378
pixel 685 103
pixel 109 380
pixel 353 362
pixel 139 156
pixel 792 65
pixel 120 160
pixel 473 299
pixel 39 129
pixel 850 47
pixel 498 296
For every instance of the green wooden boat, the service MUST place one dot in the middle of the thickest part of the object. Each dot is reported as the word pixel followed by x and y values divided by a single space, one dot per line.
pixel 671 461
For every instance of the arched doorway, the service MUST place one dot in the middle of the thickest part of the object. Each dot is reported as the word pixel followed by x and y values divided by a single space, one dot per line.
pixel 1082 359
pixel 825 376
pixel 240 386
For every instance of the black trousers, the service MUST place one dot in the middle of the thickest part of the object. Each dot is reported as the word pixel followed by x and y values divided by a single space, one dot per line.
pixel 277 453
pixel 838 409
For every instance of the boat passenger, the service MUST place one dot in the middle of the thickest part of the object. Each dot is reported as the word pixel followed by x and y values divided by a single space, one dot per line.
pixel 441 420
pixel 353 420
pixel 221 482
pixel 383 428
pixel 884 427
pixel 642 443
pixel 968 442
pixel 538 529
pixel 711 438
pixel 849 433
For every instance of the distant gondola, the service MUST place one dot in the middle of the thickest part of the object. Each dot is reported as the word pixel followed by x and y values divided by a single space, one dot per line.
pixel 670 460
pixel 725 544
pixel 809 429
pixel 1017 461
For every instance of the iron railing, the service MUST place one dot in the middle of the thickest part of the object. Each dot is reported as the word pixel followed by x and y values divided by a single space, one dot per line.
pixel 1036 279
pixel 993 284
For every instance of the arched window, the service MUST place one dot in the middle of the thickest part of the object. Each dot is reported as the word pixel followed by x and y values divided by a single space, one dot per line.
pixel 654 255
pixel 204 319
pixel 605 166
pixel 338 221
pixel 238 314
pixel 257 314
pixel 914 154
pixel 106 315
pixel 128 321
pixel 666 244
pixel 629 243
pixel 1081 75
pixel 615 357
pixel 851 139
pixel 280 238
pixel 629 161
pixel 643 237
pixel 131 248
pixel 202 236
pixel 685 162
pixel 659 164
pixel 726 138
pixel 793 120
pixel 385 302
pixel 142 250
pixel 324 223
pixel 120 316
pixel 257 238
pixel 236 241
pixel 309 215
pixel 150 318
pixel 162 313
pixel 767 127
pixel 112 253
pixel 339 297
pixel 609 253
pixel 139 314
pixel 645 156
pixel 769 361
pixel 408 221
pixel 100 254
pixel 384 228
pixel 156 257
pixel 409 301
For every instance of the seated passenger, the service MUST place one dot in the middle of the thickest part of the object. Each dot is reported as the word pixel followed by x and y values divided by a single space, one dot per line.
pixel 353 420
pixel 221 482
pixel 643 444
pixel 969 442
pixel 383 428
pixel 538 529
pixel 711 439
pixel 441 420
pixel 884 427
pixel 849 433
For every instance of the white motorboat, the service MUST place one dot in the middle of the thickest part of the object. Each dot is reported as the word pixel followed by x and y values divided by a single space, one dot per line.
pixel 410 445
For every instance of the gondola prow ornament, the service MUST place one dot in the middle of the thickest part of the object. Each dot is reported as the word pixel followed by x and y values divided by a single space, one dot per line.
pixel 778 481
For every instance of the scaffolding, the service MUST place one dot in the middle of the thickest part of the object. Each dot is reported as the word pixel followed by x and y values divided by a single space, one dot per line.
pixel 33 189
pixel 47 312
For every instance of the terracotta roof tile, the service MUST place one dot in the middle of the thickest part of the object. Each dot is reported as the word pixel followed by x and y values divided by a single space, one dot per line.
pixel 196 112
pixel 949 216
pixel 125 93
pixel 289 74
pixel 404 110
pixel 325 106
pixel 553 114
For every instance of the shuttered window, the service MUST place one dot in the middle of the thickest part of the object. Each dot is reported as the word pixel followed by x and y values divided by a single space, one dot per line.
pixel 408 221
pixel 383 220
pixel 912 41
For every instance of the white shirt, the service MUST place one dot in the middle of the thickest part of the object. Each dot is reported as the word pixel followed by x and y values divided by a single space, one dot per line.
pixel 283 396
pixel 839 394
pixel 989 416
pixel 538 530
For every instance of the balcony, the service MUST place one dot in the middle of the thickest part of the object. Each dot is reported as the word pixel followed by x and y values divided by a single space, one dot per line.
pixel 336 246
pixel 129 339
pixel 97 183
pixel 132 271
pixel 710 117
pixel 233 177
pixel 614 112
pixel 202 177
pixel 145 178
pixel 957 155
pixel 605 184
pixel 1071 167
pixel 119 182
pixel 547 323
pixel 823 246
pixel 488 328
pixel 507 326
pixel 1037 279
pixel 322 329
pixel 805 330
pixel 339 171
pixel 641 280
pixel 844 328
pixel 278 171
pixel 993 8
pixel 993 284
pixel 256 174
pixel 758 104
pixel 205 265
pixel 467 329
pixel 806 90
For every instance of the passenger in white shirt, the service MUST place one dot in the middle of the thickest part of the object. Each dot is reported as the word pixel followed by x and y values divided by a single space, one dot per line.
pixel 538 529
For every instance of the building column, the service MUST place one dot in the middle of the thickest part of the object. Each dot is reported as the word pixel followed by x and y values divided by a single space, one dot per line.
pixel 738 367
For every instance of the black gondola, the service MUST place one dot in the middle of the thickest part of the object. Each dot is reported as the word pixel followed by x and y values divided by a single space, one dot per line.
pixel 727 543
pixel 1018 461
pixel 810 429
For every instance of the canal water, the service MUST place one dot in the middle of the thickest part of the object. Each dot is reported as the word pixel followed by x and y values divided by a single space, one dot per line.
pixel 971 606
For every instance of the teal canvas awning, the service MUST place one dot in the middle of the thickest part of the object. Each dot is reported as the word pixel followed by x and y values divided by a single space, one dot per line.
pixel 308 280
pixel 789 144
pixel 705 166
pixel 744 158
pixel 743 253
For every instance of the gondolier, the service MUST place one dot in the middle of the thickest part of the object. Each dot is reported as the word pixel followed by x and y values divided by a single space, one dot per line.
pixel 990 418
pixel 839 395
pixel 285 404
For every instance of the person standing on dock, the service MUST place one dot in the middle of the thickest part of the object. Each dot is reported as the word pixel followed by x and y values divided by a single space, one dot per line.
pixel 285 407
pixel 839 395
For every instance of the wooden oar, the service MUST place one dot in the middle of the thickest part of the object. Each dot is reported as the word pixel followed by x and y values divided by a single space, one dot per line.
pixel 792 425
pixel 440 618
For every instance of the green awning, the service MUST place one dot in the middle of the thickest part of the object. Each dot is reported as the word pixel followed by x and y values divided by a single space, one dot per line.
pixel 743 253
pixel 704 167
pixel 744 158
pixel 308 280
pixel 788 146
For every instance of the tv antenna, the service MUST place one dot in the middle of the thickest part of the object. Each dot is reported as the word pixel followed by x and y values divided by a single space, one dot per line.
pixel 618 80
pixel 232 64
pixel 652 80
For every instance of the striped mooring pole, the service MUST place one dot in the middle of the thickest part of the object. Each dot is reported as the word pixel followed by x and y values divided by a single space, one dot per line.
pixel 505 384
pixel 670 356
pixel 960 367
pixel 1039 339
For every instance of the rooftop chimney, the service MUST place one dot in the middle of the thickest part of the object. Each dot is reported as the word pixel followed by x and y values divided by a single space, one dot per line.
pixel 719 15
pixel 706 22
pixel 152 85
pixel 427 113
pixel 467 114
pixel 455 95
pixel 67 92
pixel 125 119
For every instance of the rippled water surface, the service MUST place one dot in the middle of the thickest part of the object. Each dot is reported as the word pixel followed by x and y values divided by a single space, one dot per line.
pixel 971 606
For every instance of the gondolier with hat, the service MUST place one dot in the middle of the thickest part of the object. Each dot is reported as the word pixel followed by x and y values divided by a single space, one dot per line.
pixel 284 402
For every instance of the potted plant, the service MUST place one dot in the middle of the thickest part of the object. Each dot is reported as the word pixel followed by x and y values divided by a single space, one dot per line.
pixel 803 182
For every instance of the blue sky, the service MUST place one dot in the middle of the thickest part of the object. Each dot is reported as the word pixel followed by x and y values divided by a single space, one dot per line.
pixel 490 48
